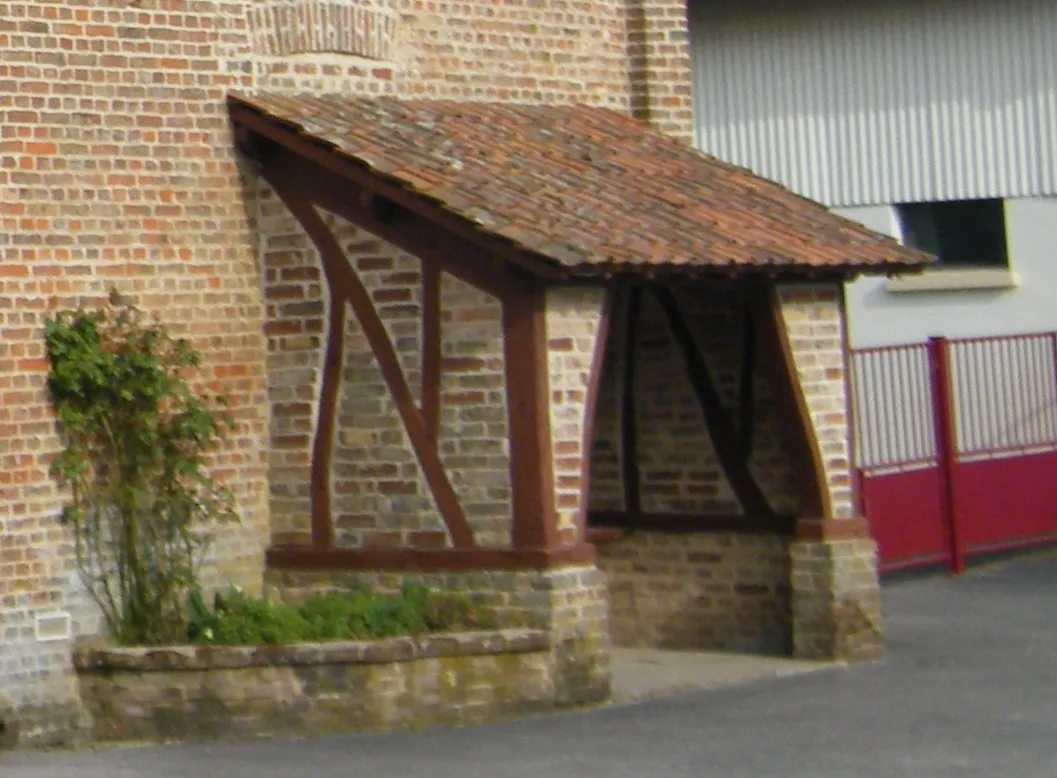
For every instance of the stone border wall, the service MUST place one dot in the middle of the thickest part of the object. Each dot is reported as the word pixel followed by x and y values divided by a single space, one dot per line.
pixel 218 692
pixel 715 591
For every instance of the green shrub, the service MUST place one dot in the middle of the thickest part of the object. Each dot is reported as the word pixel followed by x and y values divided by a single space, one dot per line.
pixel 136 437
pixel 236 619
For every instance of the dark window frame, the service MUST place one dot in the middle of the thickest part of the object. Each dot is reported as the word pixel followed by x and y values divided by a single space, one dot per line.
pixel 964 234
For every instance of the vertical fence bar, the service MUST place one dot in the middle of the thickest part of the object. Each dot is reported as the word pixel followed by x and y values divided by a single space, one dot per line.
pixel 946 453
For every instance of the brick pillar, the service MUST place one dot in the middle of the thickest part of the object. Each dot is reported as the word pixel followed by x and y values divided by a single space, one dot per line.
pixel 836 598
pixel 659 64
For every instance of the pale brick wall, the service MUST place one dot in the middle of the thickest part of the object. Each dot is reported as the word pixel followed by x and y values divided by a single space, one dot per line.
pixel 715 591
pixel 380 497
pixel 814 321
pixel 296 304
pixel 380 494
pixel 474 431
pixel 573 318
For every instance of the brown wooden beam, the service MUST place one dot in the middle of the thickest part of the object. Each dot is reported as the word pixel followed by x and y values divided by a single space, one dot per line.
pixel 528 405
pixel 333 160
pixel 323 444
pixel 793 419
pixel 679 523
pixel 431 346
pixel 594 383
pixel 344 281
pixel 426 560
pixel 721 427
pixel 400 227
pixel 832 529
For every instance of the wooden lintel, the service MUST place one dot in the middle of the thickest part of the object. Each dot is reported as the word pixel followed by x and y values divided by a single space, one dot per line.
pixel 594 383
pixel 793 420
pixel 427 560
pixel 344 282
pixel 721 426
pixel 363 177
pixel 770 524
pixel 528 409
pixel 822 530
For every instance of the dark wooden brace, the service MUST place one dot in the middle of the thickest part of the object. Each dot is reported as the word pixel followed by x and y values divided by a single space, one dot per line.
pixel 302 186
pixel 765 346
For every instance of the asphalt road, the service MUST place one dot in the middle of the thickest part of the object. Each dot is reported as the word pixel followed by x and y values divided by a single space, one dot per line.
pixel 969 689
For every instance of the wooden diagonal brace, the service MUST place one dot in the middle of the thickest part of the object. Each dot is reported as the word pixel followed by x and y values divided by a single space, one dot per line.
pixel 345 283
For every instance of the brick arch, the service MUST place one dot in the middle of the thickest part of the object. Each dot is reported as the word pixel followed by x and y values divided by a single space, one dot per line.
pixel 360 28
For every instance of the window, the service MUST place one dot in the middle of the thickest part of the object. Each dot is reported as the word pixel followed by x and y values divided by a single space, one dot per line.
pixel 962 233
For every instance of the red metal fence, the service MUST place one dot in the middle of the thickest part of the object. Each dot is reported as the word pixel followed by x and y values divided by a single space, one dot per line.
pixel 956 446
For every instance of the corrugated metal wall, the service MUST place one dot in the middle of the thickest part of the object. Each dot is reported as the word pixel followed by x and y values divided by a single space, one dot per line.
pixel 859 103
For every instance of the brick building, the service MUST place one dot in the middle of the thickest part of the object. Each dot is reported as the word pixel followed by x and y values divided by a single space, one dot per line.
pixel 459 453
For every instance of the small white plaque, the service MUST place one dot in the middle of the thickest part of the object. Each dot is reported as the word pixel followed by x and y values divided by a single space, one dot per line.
pixel 52 626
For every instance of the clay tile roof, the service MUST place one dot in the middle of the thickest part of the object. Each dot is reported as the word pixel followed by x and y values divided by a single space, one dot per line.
pixel 584 188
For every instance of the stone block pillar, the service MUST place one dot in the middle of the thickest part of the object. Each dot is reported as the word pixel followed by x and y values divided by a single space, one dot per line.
pixel 579 624
pixel 836 600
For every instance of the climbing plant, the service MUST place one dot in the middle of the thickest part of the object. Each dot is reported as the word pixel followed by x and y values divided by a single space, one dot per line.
pixel 142 505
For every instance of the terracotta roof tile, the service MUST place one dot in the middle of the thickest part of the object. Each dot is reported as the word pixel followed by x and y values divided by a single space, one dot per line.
pixel 584 188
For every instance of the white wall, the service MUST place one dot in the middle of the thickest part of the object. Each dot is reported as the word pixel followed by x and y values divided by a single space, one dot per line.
pixel 860 102
pixel 879 316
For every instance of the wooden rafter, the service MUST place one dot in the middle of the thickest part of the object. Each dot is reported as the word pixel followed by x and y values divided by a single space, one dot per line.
pixel 344 282
pixel 310 151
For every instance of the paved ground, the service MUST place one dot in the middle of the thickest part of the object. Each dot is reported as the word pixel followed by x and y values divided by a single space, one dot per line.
pixel 647 674
pixel 969 689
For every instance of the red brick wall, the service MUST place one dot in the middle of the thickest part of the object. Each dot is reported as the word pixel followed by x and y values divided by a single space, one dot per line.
pixel 548 52
pixel 117 170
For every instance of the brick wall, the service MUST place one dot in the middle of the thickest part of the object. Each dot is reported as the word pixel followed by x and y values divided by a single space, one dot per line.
pixel 606 490
pixel 728 591
pixel 814 320
pixel 573 318
pixel 118 171
pixel 547 52
pixel 714 591
pixel 679 472
pixel 659 58
pixel 474 432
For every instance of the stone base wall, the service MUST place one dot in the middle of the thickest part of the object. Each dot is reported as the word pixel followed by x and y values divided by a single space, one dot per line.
pixel 569 604
pixel 836 600
pixel 208 693
pixel 715 591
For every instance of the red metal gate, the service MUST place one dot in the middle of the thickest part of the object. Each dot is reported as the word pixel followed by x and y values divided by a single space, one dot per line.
pixel 956 446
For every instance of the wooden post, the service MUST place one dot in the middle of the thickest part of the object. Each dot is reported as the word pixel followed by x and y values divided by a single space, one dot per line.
pixel 946 446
